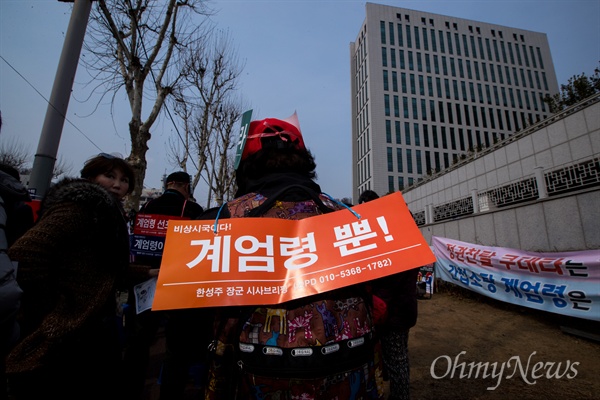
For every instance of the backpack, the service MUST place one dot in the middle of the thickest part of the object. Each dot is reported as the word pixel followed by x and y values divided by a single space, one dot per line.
pixel 318 347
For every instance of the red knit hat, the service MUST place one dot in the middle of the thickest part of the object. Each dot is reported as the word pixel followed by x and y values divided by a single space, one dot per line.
pixel 286 130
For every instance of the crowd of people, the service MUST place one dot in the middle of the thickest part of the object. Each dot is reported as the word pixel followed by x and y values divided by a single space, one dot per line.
pixel 64 337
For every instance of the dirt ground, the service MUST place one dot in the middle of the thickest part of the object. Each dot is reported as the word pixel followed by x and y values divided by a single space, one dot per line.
pixel 455 321
pixel 487 331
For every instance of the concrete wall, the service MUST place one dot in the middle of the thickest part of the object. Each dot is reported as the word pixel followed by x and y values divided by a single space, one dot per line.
pixel 565 223
pixel 569 222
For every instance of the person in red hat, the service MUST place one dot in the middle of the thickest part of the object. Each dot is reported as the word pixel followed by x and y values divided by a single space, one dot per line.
pixel 275 176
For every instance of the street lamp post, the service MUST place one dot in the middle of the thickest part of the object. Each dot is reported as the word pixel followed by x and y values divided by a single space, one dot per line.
pixel 45 157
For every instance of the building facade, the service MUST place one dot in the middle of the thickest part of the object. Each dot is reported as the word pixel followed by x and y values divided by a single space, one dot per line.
pixel 428 90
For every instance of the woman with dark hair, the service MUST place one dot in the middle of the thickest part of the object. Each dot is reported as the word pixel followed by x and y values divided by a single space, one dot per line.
pixel 70 266
pixel 275 179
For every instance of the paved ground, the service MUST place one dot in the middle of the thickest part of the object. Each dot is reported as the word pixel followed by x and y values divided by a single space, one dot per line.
pixel 489 331
pixel 152 390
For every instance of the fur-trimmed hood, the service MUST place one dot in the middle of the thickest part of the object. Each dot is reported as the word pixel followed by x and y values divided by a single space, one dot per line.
pixel 70 263
pixel 80 191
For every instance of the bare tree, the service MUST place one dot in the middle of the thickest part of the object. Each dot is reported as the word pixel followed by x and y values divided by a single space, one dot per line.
pixel 61 168
pixel 222 174
pixel 578 88
pixel 130 41
pixel 14 154
pixel 209 109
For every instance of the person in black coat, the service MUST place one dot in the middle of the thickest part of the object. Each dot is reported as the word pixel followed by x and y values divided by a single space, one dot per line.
pixel 399 292
pixel 71 264
pixel 143 328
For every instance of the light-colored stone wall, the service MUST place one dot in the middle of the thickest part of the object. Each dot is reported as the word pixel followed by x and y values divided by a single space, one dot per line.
pixel 569 222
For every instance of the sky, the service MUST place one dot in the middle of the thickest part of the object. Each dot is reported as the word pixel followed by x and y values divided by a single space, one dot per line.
pixel 296 57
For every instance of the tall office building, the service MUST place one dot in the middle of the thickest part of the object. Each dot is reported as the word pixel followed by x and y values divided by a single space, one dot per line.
pixel 427 89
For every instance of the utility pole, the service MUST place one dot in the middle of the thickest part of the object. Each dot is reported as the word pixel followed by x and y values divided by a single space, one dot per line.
pixel 45 157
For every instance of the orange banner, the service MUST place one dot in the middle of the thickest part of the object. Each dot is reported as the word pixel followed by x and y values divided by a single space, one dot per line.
pixel 254 261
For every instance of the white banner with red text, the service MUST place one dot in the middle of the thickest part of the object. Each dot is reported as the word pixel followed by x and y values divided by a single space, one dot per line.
pixel 565 283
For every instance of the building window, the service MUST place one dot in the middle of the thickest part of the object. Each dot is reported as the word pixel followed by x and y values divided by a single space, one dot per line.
pixel 386 102
pixel 492 121
pixel 390 160
pixel 408 37
pixel 461 139
pixel 385 81
pixel 400 38
pixel 465 46
pixel 473 49
pixel 388 131
pixel 510 53
pixel 417 39
pixel 416 133
pixel 399 159
pixel 444 66
pixel 476 68
pixel 532 57
pixel 449 109
pixel 525 56
pixel 382 30
pixel 444 139
pixel 496 52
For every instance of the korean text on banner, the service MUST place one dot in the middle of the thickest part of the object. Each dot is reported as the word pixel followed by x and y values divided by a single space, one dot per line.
pixel 566 283
pixel 254 261
pixel 149 233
